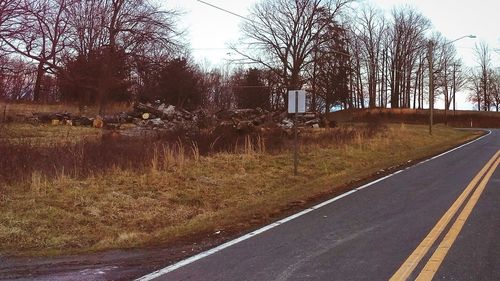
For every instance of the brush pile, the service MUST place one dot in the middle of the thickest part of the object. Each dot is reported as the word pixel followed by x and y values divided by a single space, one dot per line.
pixel 164 117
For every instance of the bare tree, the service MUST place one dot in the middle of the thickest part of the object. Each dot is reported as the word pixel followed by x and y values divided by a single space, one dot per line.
pixel 39 34
pixel 356 84
pixel 134 25
pixel 10 11
pixel 459 76
pixel 408 43
pixel 483 58
pixel 475 86
pixel 370 29
pixel 495 88
pixel 448 76
pixel 16 81
pixel 145 33
pixel 218 89
pixel 283 34
pixel 52 31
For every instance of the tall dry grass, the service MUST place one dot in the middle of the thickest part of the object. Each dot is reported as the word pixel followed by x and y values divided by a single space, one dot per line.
pixel 165 152
pixel 178 191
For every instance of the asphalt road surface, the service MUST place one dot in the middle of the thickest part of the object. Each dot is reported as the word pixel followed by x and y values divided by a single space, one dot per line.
pixel 438 220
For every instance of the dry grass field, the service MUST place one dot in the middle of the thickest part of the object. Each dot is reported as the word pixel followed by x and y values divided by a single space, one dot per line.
pixel 18 111
pixel 94 195
pixel 45 135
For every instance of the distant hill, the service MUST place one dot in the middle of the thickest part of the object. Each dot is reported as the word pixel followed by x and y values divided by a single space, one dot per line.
pixel 459 118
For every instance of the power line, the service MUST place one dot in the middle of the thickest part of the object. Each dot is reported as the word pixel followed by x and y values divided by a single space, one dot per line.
pixel 224 10
pixel 247 19
pixel 250 87
pixel 210 48
pixel 228 48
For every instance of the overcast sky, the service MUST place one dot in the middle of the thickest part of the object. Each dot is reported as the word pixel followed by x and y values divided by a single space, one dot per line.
pixel 209 31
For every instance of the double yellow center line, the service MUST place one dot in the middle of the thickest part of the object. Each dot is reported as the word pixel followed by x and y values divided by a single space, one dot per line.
pixel 477 185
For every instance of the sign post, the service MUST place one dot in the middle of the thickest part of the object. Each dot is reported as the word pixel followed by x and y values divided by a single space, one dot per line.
pixel 296 141
pixel 296 105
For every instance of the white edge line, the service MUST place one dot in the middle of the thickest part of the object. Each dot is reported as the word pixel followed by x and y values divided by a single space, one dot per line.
pixel 219 248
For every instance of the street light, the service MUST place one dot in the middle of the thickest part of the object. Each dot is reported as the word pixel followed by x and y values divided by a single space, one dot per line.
pixel 430 53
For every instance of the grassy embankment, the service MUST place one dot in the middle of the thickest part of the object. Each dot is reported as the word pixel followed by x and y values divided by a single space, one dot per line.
pixel 184 194
pixel 457 119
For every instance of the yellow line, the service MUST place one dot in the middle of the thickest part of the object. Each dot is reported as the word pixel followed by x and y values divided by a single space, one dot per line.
pixel 412 261
pixel 437 258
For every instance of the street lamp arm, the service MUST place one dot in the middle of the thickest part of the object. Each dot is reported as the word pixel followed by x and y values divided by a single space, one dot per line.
pixel 466 36
pixel 431 42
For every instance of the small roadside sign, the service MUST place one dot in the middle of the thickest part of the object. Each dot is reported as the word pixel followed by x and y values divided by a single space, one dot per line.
pixel 297 95
pixel 296 105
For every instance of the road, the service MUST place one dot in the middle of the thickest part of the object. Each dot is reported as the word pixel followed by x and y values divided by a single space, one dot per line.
pixel 439 219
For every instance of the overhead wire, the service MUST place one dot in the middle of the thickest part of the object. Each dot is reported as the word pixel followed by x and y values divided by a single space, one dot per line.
pixel 224 10
pixel 250 20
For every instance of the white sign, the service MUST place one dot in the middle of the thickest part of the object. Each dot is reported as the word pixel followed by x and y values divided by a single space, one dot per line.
pixel 292 97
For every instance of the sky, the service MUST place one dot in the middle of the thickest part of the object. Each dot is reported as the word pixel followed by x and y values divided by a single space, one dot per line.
pixel 209 30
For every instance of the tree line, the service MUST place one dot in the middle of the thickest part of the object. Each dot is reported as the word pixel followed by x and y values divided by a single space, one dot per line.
pixel 344 53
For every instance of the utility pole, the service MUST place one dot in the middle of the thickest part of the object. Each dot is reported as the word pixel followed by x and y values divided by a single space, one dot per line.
pixel 454 87
pixel 315 63
pixel 430 53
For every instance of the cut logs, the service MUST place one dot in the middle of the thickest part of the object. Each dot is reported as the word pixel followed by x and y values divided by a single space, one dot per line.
pixel 167 117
